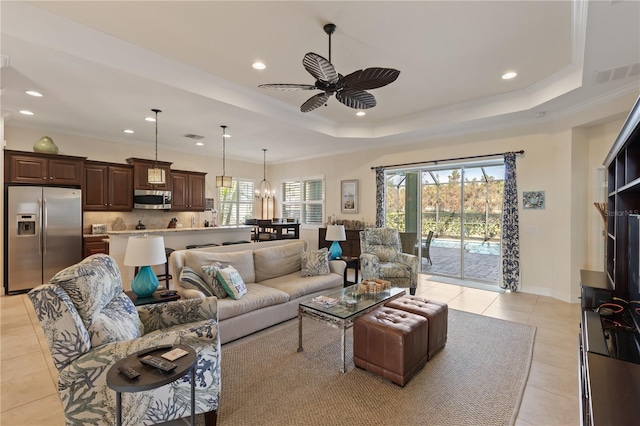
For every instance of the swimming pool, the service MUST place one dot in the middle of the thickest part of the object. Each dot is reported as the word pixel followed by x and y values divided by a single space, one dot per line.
pixel 469 246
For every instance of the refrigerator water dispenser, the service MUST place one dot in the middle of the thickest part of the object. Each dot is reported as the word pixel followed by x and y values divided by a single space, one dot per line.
pixel 26 224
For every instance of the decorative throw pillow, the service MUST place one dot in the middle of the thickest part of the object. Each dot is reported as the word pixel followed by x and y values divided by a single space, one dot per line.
pixel 232 282
pixel 315 262
pixel 191 279
pixel 211 272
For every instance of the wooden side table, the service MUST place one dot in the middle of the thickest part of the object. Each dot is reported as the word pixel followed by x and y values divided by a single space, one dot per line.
pixel 151 300
pixel 353 263
pixel 150 377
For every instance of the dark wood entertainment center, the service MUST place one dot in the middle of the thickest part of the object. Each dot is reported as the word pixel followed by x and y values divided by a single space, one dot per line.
pixel 609 343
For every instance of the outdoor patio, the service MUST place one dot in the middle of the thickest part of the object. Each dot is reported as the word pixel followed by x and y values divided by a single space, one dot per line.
pixel 478 266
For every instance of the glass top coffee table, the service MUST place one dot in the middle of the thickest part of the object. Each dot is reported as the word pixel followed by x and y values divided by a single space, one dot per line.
pixel 342 307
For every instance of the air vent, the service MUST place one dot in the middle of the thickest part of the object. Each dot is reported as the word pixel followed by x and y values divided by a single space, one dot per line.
pixel 618 73
pixel 192 136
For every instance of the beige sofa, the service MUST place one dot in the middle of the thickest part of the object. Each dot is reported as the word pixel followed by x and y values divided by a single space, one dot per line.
pixel 271 272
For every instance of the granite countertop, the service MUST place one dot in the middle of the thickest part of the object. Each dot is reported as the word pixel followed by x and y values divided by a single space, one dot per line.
pixel 168 230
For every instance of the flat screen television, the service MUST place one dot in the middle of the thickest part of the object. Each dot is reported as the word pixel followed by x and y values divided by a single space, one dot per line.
pixel 634 267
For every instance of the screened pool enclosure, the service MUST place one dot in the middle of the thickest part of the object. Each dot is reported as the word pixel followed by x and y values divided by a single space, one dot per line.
pixel 460 206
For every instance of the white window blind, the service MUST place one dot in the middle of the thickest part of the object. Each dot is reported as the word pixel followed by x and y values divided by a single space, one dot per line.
pixel 236 203
pixel 303 199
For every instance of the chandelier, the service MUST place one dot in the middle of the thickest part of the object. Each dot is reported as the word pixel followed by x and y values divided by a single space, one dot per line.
pixel 264 187
pixel 223 181
pixel 155 176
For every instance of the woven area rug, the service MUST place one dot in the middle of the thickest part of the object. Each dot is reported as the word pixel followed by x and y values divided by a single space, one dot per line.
pixel 477 379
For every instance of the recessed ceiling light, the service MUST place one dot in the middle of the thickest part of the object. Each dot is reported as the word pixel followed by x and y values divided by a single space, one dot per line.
pixel 25 112
pixel 128 131
pixel 199 143
pixel 361 113
pixel 259 65
pixel 226 135
pixel 509 75
pixel 151 119
pixel 33 93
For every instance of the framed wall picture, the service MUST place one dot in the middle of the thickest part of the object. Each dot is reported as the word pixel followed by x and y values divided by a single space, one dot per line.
pixel 349 196
pixel 533 200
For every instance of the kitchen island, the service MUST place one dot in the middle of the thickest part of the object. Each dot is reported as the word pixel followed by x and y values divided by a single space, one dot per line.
pixel 175 238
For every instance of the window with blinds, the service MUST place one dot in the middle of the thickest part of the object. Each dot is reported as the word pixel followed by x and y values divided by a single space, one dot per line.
pixel 236 203
pixel 303 199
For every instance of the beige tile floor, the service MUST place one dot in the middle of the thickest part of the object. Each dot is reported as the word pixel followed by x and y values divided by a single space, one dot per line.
pixel 28 394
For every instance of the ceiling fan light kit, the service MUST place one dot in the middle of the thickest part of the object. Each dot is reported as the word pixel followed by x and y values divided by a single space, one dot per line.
pixel 350 90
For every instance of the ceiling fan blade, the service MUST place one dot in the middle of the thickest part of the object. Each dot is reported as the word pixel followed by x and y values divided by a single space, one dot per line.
pixel 314 102
pixel 358 99
pixel 320 68
pixel 370 78
pixel 288 87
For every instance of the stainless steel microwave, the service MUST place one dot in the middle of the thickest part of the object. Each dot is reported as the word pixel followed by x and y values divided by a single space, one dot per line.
pixel 151 199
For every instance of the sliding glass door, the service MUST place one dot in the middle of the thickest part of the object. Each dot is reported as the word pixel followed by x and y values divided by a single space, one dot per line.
pixel 450 217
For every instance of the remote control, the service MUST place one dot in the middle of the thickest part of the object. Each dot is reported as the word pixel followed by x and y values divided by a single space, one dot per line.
pixel 128 372
pixel 158 363
pixel 156 348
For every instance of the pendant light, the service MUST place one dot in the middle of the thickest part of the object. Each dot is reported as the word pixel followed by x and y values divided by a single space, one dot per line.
pixel 155 176
pixel 264 187
pixel 223 181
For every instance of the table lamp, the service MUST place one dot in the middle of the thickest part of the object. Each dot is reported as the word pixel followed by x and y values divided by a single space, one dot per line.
pixel 335 233
pixel 144 251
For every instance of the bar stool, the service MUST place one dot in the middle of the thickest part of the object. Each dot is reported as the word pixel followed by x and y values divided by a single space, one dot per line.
pixel 166 277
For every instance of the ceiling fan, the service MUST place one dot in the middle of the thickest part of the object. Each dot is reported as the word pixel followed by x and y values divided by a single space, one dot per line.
pixel 349 90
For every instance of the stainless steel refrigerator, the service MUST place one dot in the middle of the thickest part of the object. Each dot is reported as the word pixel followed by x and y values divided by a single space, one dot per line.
pixel 44 234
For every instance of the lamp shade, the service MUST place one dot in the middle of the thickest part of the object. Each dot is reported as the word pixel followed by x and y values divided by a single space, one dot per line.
pixel 335 233
pixel 223 181
pixel 145 251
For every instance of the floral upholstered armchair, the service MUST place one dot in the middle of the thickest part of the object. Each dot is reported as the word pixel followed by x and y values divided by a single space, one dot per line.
pixel 90 324
pixel 381 257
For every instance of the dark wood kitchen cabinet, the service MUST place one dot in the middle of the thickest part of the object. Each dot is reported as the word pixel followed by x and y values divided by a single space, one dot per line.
pixel 107 187
pixel 140 173
pixel 43 169
pixel 94 245
pixel 187 190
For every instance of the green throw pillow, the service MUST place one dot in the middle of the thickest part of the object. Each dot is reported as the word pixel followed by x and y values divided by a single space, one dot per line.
pixel 232 282
pixel 315 262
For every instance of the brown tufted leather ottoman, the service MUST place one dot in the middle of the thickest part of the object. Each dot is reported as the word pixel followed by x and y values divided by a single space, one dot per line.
pixel 436 312
pixel 390 343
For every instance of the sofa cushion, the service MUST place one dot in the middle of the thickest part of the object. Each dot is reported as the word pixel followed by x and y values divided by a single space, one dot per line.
pixel 211 274
pixel 295 286
pixel 191 279
pixel 95 288
pixel 258 296
pixel 271 262
pixel 315 262
pixel 242 261
pixel 232 282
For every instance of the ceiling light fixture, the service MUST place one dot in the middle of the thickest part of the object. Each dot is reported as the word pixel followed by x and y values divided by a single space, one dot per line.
pixel 509 75
pixel 258 65
pixel 199 143
pixel 264 187
pixel 128 131
pixel 33 93
pixel 361 113
pixel 223 181
pixel 155 176
pixel 149 119
pixel 25 112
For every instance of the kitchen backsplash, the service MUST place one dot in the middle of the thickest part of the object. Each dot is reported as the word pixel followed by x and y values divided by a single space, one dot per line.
pixel 152 219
